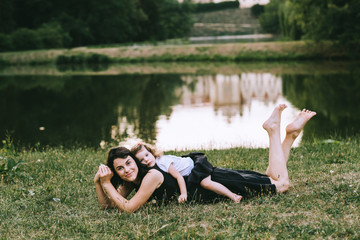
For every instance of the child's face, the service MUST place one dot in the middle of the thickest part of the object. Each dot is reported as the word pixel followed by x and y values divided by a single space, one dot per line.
pixel 145 157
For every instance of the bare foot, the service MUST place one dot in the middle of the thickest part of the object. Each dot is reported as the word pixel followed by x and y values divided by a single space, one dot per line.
pixel 273 121
pixel 298 124
pixel 237 198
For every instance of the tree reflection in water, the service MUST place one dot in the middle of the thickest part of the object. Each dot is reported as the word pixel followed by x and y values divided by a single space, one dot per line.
pixel 334 97
pixel 84 110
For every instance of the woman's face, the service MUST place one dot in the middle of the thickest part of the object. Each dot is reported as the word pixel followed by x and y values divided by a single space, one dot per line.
pixel 145 157
pixel 126 168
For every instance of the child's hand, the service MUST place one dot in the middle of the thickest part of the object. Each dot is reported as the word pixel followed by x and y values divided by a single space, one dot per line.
pixel 237 198
pixel 182 198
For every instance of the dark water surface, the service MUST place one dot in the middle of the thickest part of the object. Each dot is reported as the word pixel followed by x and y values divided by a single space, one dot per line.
pixel 176 106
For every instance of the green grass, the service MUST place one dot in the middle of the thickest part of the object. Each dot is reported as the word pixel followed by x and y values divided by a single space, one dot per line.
pixel 51 195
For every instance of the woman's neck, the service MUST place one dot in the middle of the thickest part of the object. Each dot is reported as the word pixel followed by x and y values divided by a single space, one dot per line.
pixel 137 181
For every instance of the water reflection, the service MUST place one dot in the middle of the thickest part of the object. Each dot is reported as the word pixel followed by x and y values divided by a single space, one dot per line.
pixel 222 111
pixel 207 129
pixel 175 111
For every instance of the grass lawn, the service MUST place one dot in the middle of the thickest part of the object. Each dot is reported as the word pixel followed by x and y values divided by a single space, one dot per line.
pixel 51 195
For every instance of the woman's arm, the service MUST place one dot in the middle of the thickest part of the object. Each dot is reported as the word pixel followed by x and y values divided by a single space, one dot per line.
pixel 152 180
pixel 180 179
pixel 102 197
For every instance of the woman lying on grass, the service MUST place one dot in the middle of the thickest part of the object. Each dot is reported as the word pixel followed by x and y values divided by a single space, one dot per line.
pixel 194 167
pixel 124 172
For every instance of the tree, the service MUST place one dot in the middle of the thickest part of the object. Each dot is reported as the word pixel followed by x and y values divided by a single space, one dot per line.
pixel 334 20
pixel 25 39
pixel 166 19
pixel 7 22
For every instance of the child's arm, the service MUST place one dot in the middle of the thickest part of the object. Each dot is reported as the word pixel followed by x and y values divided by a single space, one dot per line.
pixel 180 179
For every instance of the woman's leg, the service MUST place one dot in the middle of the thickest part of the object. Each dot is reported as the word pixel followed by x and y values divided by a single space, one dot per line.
pixel 277 163
pixel 277 170
pixel 293 130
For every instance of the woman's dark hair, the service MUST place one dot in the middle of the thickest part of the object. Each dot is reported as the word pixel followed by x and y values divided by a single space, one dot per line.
pixel 123 152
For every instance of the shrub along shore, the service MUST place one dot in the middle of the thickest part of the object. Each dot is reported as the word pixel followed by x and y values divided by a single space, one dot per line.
pixel 50 195
pixel 256 51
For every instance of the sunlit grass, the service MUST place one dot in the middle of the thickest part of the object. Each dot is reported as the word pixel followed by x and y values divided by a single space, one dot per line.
pixel 52 196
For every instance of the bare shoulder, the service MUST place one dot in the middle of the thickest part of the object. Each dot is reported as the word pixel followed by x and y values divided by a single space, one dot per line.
pixel 154 173
pixel 154 176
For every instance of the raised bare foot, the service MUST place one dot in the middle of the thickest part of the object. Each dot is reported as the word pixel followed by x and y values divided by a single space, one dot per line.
pixel 273 121
pixel 294 128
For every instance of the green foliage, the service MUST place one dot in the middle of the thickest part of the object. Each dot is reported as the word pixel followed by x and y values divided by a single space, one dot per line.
pixel 49 35
pixel 114 21
pixel 81 62
pixel 78 30
pixel 58 24
pixel 333 20
pixel 5 43
pixel 329 19
pixel 165 19
pixel 8 166
pixel 91 58
pixel 52 36
pixel 288 22
pixel 279 17
pixel 25 39
pixel 257 10
pixel 7 21
pixel 269 20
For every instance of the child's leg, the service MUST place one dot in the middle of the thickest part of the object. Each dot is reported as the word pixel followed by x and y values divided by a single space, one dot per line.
pixel 218 188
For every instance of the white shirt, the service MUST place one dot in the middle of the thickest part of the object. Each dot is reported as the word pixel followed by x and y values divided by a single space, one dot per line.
pixel 182 165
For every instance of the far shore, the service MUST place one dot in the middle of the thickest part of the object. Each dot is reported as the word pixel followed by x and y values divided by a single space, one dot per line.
pixel 231 52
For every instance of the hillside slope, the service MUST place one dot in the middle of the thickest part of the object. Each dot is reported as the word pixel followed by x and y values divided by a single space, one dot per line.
pixel 225 22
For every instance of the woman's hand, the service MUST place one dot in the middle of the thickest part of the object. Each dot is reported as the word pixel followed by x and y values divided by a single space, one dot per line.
pixel 97 177
pixel 105 173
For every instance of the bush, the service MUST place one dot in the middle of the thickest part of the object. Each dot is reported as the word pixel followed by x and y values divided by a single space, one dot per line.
pixel 52 36
pixel 81 59
pixel 25 39
pixel 95 58
pixel 257 9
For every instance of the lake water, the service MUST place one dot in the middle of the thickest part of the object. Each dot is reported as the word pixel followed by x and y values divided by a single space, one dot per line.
pixel 175 106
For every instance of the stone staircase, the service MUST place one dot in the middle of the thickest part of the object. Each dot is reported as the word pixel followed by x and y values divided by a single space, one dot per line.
pixel 225 22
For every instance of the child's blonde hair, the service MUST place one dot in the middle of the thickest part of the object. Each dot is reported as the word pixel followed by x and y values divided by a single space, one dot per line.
pixel 137 148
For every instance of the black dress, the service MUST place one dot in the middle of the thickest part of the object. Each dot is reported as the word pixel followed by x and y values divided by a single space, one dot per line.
pixel 168 190
pixel 243 182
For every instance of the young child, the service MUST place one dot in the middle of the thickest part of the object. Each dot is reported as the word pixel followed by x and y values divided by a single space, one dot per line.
pixel 178 167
